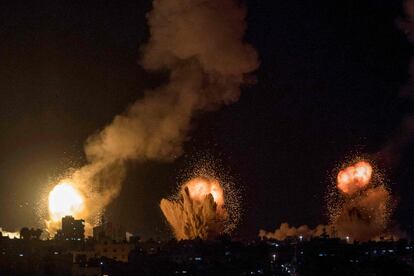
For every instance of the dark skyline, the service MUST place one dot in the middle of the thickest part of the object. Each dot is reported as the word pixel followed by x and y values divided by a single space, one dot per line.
pixel 328 87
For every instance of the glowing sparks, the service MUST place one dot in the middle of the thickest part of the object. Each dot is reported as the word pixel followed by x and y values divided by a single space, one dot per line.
pixel 207 205
pixel 354 177
pixel 65 200
pixel 200 212
pixel 360 207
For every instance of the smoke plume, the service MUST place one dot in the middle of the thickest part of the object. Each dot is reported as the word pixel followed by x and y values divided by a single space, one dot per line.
pixel 200 44
pixel 365 216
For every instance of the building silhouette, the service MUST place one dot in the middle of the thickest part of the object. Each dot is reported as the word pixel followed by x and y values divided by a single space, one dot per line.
pixel 108 231
pixel 72 229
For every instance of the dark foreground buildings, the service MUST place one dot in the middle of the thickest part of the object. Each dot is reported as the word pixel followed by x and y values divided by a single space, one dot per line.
pixel 104 256
pixel 72 229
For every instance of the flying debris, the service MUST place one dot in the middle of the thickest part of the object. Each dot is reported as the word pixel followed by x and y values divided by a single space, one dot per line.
pixel 200 187
pixel 362 209
pixel 207 203
pixel 199 212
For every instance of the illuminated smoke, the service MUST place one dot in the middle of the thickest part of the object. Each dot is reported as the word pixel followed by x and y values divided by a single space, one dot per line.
pixel 359 208
pixel 207 204
pixel 200 44
pixel 365 216
pixel 285 231
pixel 199 212
pixel 363 212
pixel 11 235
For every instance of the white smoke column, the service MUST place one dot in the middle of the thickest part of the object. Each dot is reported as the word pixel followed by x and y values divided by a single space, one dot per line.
pixel 200 43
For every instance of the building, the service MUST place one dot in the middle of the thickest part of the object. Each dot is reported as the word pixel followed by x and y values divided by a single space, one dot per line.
pixel 85 270
pixel 83 256
pixel 118 251
pixel 109 231
pixel 72 229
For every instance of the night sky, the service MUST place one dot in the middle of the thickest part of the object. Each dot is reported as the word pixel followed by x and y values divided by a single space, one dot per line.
pixel 327 88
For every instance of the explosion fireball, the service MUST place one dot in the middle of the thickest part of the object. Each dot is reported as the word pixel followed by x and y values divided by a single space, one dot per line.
pixel 354 177
pixel 203 210
pixel 64 200
pixel 200 187
pixel 363 209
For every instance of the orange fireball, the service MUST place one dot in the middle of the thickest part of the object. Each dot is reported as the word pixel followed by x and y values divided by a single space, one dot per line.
pixel 200 187
pixel 354 177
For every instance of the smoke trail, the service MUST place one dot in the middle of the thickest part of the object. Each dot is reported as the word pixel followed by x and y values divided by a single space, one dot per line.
pixel 200 44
